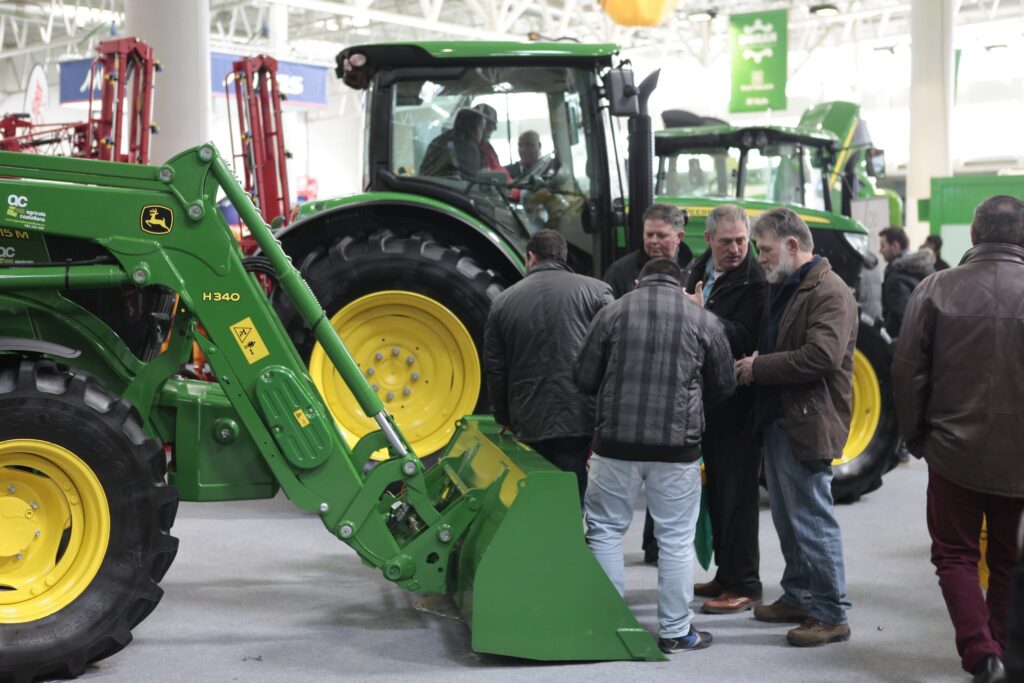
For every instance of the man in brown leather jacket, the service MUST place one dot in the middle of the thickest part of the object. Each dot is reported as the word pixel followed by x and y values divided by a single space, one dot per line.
pixel 803 376
pixel 958 379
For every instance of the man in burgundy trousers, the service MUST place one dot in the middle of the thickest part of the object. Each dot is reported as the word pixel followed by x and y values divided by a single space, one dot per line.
pixel 958 379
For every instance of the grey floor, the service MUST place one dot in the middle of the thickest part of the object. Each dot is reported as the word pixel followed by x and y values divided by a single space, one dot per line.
pixel 260 592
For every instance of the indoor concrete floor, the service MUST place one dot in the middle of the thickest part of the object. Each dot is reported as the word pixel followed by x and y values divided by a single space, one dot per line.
pixel 260 592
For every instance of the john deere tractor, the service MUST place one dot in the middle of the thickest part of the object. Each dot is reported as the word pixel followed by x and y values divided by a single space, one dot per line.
pixel 817 169
pixel 407 269
pixel 100 439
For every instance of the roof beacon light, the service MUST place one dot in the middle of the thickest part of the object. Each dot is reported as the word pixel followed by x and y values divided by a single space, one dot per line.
pixel 824 9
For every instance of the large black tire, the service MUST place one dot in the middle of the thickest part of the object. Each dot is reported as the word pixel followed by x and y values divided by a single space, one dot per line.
pixel 385 260
pixel 863 473
pixel 120 479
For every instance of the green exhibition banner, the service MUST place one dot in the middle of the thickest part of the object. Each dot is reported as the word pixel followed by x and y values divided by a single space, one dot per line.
pixel 758 43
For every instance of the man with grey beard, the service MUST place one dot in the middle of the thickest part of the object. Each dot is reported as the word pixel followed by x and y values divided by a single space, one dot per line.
pixel 803 375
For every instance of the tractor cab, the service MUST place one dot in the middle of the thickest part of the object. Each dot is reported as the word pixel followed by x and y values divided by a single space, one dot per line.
pixel 777 165
pixel 448 126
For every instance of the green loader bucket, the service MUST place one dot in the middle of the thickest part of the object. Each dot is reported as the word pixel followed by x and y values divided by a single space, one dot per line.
pixel 523 575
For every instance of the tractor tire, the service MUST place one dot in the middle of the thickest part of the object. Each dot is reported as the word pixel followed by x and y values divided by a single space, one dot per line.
pixel 874 437
pixel 412 312
pixel 84 529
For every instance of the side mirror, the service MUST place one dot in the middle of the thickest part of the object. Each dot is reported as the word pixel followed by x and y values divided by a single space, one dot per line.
pixel 621 93
pixel 875 159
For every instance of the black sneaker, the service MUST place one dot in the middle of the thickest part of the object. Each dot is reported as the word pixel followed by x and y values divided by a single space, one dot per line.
pixel 694 640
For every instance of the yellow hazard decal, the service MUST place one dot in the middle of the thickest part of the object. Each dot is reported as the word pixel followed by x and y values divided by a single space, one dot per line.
pixel 249 340
pixel 156 219
pixel 301 418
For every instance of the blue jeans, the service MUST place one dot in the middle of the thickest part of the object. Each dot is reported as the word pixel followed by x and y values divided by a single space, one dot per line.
pixel 801 502
pixel 673 497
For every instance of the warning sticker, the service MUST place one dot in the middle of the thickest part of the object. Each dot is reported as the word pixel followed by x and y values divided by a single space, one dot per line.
pixel 301 418
pixel 249 340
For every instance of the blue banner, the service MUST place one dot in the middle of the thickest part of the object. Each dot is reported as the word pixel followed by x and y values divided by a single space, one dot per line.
pixel 304 85
pixel 74 81
pixel 301 84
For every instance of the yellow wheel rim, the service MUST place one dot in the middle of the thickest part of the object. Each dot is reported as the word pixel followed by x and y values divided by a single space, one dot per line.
pixel 54 529
pixel 418 357
pixel 866 411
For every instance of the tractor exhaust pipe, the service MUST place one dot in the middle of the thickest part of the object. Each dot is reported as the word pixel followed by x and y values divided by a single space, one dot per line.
pixel 641 161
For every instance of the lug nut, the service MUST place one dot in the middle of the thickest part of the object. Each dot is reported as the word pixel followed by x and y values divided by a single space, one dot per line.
pixel 391 396
pixel 375 387
pixel 18 556
pixel 415 376
pixel 38 533
pixel 406 391
pixel 379 355
pixel 33 505
pixel 369 372
pixel 395 351
pixel 410 360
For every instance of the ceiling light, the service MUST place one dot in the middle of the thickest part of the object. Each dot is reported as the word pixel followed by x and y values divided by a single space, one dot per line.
pixel 702 16
pixel 824 9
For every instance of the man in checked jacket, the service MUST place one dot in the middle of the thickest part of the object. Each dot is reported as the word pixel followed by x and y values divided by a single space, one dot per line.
pixel 652 358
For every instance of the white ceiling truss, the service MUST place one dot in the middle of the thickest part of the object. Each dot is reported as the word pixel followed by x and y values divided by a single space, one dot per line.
pixel 44 31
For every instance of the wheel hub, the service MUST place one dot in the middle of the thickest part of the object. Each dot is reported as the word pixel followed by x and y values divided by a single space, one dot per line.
pixel 17 529
pixel 418 358
pixel 54 528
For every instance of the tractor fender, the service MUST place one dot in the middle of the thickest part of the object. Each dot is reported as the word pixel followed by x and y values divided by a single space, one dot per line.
pixel 328 220
pixel 83 342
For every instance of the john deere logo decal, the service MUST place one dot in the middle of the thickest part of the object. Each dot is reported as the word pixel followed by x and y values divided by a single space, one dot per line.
pixel 156 219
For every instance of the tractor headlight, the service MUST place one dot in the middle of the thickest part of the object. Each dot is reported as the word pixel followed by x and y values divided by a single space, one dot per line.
pixel 858 241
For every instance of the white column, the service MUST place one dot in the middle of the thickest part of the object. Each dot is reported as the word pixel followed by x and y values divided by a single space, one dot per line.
pixel 931 103
pixel 179 33
pixel 279 29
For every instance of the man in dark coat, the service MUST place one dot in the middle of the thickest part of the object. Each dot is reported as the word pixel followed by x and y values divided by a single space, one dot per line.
pixel 902 274
pixel 803 370
pixel 960 403
pixel 727 281
pixel 663 238
pixel 534 332
pixel 652 358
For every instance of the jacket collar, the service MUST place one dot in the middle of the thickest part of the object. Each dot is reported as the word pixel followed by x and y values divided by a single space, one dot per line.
pixel 815 274
pixel 658 280
pixel 994 251
pixel 741 274
pixel 549 264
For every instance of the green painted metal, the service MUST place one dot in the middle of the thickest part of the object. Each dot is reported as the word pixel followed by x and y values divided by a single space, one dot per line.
pixel 482 49
pixel 478 524
pixel 514 251
pixel 557 605
pixel 950 208
pixel 214 457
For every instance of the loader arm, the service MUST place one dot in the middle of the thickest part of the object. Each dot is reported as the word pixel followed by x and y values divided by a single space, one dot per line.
pixel 492 524
pixel 162 227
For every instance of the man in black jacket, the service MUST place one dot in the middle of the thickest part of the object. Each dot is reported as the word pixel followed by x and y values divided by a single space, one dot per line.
pixel 903 273
pixel 663 238
pixel 533 334
pixel 652 358
pixel 727 281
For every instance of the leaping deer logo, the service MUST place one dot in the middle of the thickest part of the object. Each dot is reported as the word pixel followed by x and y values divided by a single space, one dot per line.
pixel 157 220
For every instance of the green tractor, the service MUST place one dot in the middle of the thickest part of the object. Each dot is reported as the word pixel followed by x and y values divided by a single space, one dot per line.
pixel 819 168
pixel 413 263
pixel 100 438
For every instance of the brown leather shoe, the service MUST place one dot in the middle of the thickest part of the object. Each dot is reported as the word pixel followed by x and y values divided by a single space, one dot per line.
pixel 813 632
pixel 729 603
pixel 780 613
pixel 711 589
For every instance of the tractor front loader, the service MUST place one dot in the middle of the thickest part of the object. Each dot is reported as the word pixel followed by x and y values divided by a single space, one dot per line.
pixel 88 492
